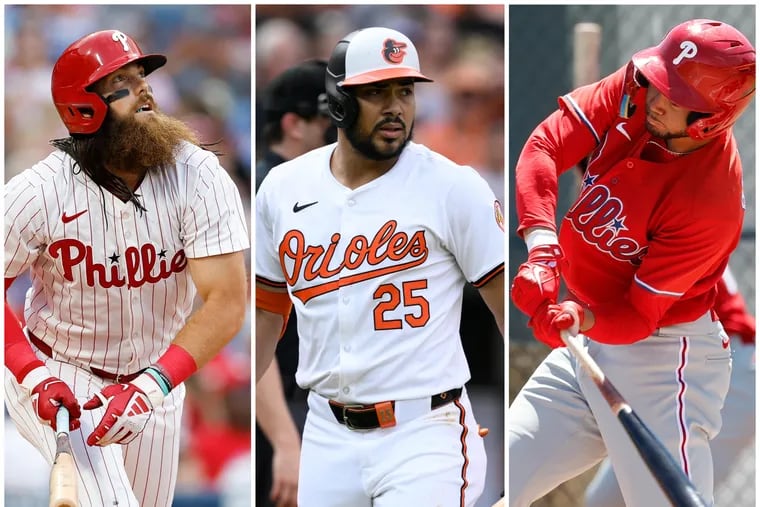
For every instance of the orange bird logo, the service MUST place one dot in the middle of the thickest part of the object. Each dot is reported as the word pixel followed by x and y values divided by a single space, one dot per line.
pixel 393 52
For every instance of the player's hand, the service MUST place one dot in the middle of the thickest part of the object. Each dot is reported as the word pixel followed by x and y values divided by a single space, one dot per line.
pixel 285 462
pixel 47 394
pixel 537 280
pixel 128 409
pixel 571 316
pixel 550 319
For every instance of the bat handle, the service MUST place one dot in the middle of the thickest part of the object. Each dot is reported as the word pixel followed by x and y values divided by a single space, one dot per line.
pixel 62 420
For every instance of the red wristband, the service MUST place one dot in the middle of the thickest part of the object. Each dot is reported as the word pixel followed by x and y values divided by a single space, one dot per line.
pixel 177 364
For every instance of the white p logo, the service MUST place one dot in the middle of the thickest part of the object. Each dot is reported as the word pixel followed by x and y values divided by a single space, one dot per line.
pixel 120 37
pixel 688 50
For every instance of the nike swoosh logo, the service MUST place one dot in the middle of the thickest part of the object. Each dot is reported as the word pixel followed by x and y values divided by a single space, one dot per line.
pixel 621 128
pixel 297 208
pixel 68 218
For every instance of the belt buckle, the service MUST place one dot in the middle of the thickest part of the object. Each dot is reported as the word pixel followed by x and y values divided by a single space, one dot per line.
pixel 345 416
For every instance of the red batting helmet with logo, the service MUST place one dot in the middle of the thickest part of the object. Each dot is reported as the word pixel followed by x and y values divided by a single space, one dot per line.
pixel 706 66
pixel 367 56
pixel 82 64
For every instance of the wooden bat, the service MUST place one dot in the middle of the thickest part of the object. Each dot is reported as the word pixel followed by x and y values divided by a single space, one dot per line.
pixel 587 42
pixel 63 476
pixel 673 481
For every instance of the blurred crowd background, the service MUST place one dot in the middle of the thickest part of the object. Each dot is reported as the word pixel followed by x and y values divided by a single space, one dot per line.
pixel 544 33
pixel 206 83
pixel 460 115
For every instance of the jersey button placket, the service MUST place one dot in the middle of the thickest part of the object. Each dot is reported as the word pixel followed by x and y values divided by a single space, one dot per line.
pixel 345 311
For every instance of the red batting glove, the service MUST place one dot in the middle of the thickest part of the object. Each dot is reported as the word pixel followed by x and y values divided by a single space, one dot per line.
pixel 537 280
pixel 549 320
pixel 128 409
pixel 571 316
pixel 47 394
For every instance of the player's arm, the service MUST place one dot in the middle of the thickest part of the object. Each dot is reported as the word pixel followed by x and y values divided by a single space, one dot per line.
pixel 661 280
pixel 273 307
pixel 493 295
pixel 275 421
pixel 558 143
pixel 221 282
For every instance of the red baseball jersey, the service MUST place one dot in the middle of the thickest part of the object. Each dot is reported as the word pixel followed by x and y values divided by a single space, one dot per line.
pixel 650 234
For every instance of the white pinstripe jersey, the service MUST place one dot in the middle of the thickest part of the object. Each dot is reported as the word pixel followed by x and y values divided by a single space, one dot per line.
pixel 376 273
pixel 110 285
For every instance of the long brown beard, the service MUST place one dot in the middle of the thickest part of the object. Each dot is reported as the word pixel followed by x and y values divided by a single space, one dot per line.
pixel 129 146
pixel 138 146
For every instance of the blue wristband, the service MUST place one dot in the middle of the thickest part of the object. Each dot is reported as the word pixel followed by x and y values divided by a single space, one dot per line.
pixel 160 379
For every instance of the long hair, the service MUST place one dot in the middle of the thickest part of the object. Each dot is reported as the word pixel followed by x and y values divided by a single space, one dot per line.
pixel 87 153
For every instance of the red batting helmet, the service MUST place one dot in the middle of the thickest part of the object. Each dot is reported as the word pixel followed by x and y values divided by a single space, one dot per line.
pixel 706 66
pixel 82 64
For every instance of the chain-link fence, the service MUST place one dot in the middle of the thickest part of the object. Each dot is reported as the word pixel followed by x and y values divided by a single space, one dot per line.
pixel 540 70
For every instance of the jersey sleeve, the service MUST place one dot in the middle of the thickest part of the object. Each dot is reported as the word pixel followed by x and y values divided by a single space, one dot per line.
pixel 476 228
pixel 732 309
pixel 25 223
pixel 214 221
pixel 560 142
pixel 268 270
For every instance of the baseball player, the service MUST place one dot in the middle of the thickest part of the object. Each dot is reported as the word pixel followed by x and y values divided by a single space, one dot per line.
pixel 738 414
pixel 640 251
pixel 372 239
pixel 121 226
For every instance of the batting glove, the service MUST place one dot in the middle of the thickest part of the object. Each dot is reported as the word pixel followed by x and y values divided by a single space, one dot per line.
pixel 537 280
pixel 128 409
pixel 549 320
pixel 47 394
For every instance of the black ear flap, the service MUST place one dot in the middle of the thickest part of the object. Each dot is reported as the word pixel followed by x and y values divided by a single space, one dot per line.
pixel 640 79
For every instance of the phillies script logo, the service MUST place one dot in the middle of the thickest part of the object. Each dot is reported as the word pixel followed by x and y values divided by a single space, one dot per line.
pixel 393 52
pixel 317 262
pixel 145 260
pixel 599 218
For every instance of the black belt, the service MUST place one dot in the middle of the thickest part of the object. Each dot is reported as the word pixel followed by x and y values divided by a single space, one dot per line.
pixel 114 377
pixel 381 415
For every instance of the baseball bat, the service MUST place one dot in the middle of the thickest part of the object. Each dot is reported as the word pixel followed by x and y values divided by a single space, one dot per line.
pixel 587 41
pixel 63 476
pixel 673 481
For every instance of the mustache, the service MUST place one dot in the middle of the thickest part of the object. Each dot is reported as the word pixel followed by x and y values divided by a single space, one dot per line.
pixel 386 121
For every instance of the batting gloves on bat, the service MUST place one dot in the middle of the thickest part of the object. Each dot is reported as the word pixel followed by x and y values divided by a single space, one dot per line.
pixel 537 280
pixel 550 319
pixel 128 409
pixel 47 394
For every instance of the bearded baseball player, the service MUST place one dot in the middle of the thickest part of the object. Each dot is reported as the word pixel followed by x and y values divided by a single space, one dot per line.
pixel 640 251
pixel 120 227
pixel 372 239
pixel 738 414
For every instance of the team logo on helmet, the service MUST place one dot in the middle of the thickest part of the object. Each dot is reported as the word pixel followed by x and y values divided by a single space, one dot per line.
pixel 688 50
pixel 394 52
pixel 123 39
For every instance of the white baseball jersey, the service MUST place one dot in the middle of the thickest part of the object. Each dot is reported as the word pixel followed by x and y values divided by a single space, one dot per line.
pixel 110 285
pixel 376 273
pixel 110 290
